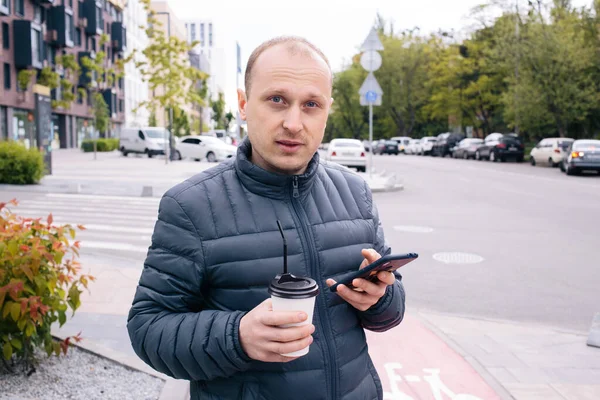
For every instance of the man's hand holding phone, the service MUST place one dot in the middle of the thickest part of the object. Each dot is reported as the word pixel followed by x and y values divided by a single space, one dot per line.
pixel 367 293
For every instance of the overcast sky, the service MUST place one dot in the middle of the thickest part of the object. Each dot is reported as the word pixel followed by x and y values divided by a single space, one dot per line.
pixel 338 27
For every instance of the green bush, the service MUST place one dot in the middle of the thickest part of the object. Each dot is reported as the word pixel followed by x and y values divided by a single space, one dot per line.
pixel 40 281
pixel 102 145
pixel 19 165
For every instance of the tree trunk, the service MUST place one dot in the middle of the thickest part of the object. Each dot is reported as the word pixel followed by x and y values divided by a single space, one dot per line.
pixel 201 120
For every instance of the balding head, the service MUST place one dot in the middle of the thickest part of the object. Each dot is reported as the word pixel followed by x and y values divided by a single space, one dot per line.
pixel 295 45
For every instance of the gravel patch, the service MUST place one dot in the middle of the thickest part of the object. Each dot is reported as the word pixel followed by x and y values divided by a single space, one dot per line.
pixel 79 375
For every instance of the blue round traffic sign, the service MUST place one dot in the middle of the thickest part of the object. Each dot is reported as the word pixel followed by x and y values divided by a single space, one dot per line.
pixel 371 96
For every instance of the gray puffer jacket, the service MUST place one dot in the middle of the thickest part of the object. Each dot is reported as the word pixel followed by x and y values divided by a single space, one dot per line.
pixel 215 249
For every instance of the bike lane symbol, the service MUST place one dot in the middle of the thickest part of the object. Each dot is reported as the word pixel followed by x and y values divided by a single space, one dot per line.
pixel 438 389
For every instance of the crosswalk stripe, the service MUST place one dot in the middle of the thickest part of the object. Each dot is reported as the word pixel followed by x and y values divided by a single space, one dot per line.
pixel 90 244
pixel 88 206
pixel 87 216
pixel 111 236
pixel 150 200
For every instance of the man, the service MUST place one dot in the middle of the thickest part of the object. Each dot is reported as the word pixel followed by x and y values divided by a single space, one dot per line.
pixel 202 311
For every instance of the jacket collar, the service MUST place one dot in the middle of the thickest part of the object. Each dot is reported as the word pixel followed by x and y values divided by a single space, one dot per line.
pixel 271 184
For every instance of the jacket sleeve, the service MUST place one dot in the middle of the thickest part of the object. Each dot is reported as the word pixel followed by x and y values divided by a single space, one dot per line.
pixel 388 312
pixel 167 325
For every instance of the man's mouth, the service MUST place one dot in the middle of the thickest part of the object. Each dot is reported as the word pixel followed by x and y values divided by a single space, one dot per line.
pixel 289 145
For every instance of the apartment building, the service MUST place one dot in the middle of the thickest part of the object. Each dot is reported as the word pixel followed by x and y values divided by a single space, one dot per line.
pixel 34 33
pixel 136 90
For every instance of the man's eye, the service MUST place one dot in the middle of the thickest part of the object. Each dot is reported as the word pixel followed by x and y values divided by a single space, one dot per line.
pixel 276 99
pixel 312 104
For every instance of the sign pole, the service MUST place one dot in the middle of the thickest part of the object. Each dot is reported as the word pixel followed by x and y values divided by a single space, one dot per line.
pixel 371 140
pixel 370 92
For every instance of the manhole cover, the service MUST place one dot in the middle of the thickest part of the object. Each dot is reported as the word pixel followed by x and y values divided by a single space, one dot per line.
pixel 457 258
pixel 413 229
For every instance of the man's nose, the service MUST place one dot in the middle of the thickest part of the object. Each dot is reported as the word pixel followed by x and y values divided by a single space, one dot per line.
pixel 293 120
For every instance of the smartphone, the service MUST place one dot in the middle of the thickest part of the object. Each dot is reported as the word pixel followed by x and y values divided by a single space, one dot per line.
pixel 386 263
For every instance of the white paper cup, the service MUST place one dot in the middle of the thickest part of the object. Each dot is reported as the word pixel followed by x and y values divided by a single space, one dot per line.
pixel 306 305
pixel 293 293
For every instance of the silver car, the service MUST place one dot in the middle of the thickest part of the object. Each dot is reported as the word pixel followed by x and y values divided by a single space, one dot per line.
pixel 582 155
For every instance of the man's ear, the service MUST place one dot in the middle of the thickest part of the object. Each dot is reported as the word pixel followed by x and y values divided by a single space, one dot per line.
pixel 242 103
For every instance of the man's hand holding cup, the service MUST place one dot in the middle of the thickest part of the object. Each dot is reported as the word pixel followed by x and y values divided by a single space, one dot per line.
pixel 265 334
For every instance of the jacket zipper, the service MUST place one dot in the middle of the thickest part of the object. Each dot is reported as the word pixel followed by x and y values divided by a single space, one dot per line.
pixel 331 362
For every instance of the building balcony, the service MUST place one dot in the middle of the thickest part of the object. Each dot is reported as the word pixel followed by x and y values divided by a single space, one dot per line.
pixel 84 79
pixel 62 22
pixel 28 44
pixel 119 36
pixel 110 97
pixel 92 11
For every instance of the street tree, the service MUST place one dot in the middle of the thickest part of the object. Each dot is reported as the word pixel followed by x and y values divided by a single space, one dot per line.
pixel 164 65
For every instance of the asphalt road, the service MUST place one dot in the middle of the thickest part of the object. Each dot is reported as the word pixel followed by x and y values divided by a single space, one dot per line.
pixel 537 230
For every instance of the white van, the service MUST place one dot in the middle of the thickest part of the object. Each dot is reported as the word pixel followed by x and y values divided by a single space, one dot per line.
pixel 148 140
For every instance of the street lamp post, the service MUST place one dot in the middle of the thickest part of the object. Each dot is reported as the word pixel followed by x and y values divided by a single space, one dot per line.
pixel 169 134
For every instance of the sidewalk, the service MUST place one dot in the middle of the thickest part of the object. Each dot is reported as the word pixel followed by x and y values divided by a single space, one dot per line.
pixel 428 352
pixel 531 362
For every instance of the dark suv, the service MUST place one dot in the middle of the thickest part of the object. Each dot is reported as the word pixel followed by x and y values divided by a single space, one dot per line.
pixel 445 143
pixel 500 147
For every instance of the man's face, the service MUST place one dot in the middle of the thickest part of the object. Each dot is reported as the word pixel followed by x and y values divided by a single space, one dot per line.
pixel 287 109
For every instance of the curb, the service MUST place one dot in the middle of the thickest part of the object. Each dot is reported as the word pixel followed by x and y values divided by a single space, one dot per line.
pixel 500 390
pixel 173 389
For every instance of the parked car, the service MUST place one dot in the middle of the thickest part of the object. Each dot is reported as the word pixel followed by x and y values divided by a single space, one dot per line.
pixel 500 147
pixel 386 147
pixel 403 142
pixel 426 144
pixel 347 152
pixel 445 142
pixel 466 148
pixel 148 140
pixel 206 147
pixel 582 155
pixel 413 146
pixel 550 150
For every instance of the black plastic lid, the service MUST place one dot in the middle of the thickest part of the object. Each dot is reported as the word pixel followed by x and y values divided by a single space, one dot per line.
pixel 289 286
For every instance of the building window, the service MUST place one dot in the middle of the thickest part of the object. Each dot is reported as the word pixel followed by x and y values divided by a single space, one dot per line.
pixel 3 124
pixel 7 76
pixel 69 27
pixel 5 7
pixel 192 32
pixel 20 8
pixel 99 19
pixel 78 37
pixel 210 35
pixel 120 105
pixel 37 14
pixel 36 46
pixel 5 36
pixel 81 9
pixel 202 34
pixel 52 55
pixel 93 44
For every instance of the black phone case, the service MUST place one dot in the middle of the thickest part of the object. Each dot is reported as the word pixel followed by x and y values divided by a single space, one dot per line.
pixel 387 263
